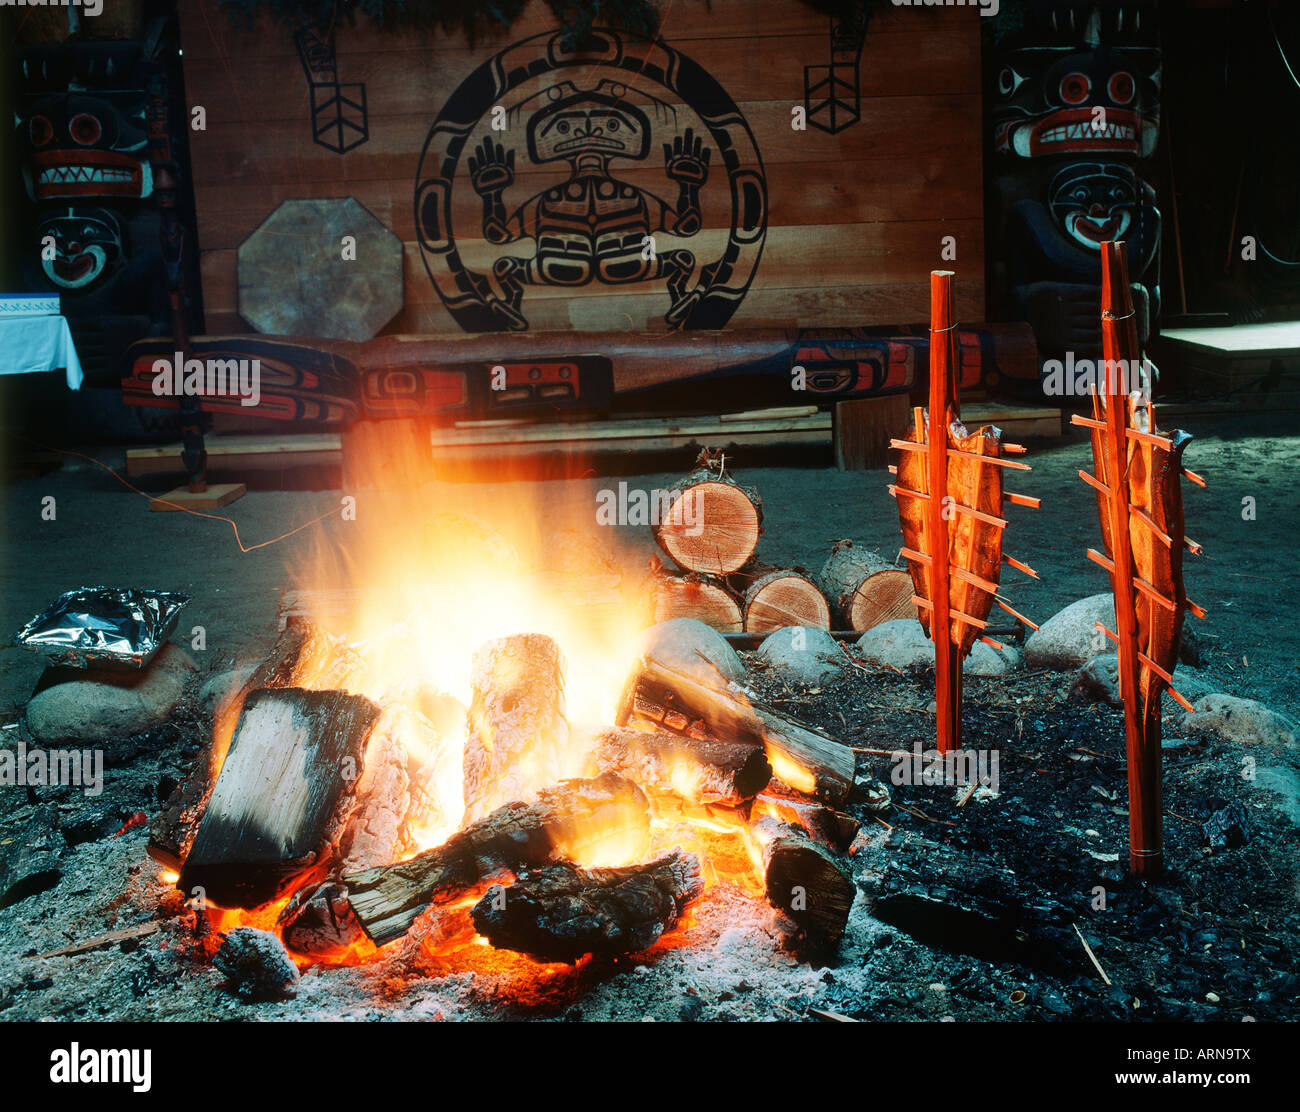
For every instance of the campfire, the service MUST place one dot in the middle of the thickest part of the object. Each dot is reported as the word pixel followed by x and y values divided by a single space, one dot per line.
pixel 462 737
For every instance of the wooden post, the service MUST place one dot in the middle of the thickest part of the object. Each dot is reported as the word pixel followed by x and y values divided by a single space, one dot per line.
pixel 1142 738
pixel 943 408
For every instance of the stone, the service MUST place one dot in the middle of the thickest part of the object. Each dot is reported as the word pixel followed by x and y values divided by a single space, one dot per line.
pixel 902 644
pixel 688 645
pixel 256 965
pixel 802 653
pixel 1241 720
pixel 97 705
pixel 1070 637
pixel 1098 681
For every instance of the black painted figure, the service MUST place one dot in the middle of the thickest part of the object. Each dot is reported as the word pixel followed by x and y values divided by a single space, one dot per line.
pixel 592 227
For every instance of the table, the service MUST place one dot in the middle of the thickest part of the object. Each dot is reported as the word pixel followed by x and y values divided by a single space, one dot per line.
pixel 36 344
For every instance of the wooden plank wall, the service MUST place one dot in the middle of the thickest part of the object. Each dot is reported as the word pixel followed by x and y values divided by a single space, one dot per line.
pixel 855 219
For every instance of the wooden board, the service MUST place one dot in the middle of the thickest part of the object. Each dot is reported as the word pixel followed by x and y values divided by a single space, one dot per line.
pixel 182 498
pixel 855 217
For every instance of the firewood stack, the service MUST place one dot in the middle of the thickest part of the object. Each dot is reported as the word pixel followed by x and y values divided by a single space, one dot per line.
pixel 709 527
pixel 316 806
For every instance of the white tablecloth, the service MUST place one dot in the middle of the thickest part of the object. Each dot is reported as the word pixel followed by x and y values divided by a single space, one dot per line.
pixel 31 345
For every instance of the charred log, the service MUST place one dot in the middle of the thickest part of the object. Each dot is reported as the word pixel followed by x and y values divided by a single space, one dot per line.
pixel 807 883
pixel 563 912
pixel 285 792
pixel 574 817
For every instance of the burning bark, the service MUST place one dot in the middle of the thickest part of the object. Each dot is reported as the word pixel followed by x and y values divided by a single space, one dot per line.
pixel 807 883
pixel 804 759
pixel 517 730
pixel 571 819
pixel 701 770
pixel 285 791
pixel 321 926
pixel 563 912
pixel 835 828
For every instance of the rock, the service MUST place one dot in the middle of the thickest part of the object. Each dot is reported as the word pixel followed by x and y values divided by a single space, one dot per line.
pixel 1285 782
pixel 1070 637
pixel 1227 827
pixel 30 862
pixel 220 686
pixel 1098 681
pixel 688 645
pixel 1241 720
pixel 902 644
pixel 256 965
pixel 96 705
pixel 803 654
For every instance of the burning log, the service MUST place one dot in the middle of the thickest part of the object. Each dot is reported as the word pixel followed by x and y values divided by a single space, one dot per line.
pixel 573 818
pixel 321 926
pixel 864 589
pixel 299 647
pixel 806 883
pixel 563 912
pixel 284 794
pixel 517 730
pixel 702 770
pixel 709 522
pixel 835 828
pixel 804 759
pixel 778 597
pixel 697 596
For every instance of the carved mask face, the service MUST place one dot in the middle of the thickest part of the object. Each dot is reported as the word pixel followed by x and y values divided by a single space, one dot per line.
pixel 81 146
pixel 87 246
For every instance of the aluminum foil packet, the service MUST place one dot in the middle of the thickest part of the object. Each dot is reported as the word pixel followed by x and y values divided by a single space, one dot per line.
pixel 119 626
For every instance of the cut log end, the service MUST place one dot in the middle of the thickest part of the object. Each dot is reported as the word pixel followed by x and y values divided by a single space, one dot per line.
pixel 692 596
pixel 700 770
pixel 783 598
pixel 711 525
pixel 807 884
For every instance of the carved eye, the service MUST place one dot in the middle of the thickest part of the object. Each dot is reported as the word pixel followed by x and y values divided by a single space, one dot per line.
pixel 1080 195
pixel 40 131
pixel 85 129
pixel 563 128
pixel 1075 88
pixel 1009 81
pixel 613 125
pixel 1120 87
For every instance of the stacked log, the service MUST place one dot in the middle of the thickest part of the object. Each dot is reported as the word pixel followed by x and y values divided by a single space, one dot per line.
pixel 774 598
pixel 709 523
pixel 691 595
pixel 864 589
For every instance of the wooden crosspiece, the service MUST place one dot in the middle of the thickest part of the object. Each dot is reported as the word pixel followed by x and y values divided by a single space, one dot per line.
pixel 1139 503
pixel 953 542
